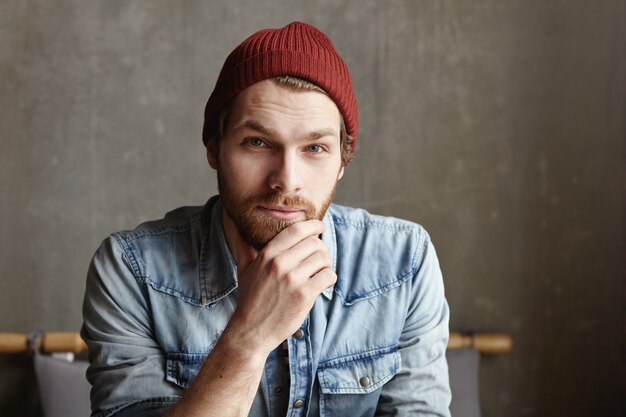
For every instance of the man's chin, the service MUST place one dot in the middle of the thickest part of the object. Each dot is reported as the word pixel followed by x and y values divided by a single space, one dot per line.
pixel 259 234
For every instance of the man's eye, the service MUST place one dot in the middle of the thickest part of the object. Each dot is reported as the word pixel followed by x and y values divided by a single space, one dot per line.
pixel 255 142
pixel 315 149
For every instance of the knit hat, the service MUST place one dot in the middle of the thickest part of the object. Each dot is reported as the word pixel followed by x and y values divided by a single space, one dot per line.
pixel 298 50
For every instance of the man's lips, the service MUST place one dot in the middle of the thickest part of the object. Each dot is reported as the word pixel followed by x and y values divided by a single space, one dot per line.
pixel 283 212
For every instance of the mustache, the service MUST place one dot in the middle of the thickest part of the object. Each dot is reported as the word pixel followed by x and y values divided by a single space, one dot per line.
pixel 278 198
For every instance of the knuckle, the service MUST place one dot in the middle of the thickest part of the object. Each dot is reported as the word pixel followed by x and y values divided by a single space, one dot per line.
pixel 328 276
pixel 298 228
pixel 265 256
pixel 300 295
pixel 326 257
pixel 291 277
pixel 275 265
pixel 322 257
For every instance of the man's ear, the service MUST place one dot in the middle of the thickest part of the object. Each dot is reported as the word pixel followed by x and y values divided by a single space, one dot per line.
pixel 211 153
pixel 340 173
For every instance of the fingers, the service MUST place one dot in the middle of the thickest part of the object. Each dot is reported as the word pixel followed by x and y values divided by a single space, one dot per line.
pixel 293 234
pixel 313 263
pixel 322 280
pixel 302 250
pixel 299 263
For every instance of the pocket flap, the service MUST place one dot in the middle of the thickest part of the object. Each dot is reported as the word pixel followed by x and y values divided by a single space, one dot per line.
pixel 359 374
pixel 182 368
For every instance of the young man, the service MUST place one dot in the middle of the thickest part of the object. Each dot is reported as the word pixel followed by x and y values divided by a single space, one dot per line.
pixel 269 300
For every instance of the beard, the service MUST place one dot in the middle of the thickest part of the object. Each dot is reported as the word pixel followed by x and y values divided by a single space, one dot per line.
pixel 257 228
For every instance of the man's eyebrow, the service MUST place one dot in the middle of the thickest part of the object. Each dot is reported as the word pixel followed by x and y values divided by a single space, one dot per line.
pixel 268 131
pixel 257 126
pixel 318 134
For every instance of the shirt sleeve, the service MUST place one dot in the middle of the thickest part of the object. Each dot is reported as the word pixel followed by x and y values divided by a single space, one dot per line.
pixel 127 366
pixel 421 387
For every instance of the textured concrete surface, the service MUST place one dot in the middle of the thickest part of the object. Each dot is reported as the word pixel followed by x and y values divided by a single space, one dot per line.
pixel 497 124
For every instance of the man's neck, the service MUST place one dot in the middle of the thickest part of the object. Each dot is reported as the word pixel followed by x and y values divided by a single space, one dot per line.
pixel 241 251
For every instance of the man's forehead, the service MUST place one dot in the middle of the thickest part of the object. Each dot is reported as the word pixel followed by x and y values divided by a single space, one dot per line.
pixel 266 104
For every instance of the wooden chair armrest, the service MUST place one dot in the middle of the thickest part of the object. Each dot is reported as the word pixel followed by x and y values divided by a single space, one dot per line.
pixel 485 343
pixel 13 342
pixel 50 342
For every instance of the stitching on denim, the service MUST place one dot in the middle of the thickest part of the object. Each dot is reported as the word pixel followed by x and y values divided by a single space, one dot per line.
pixel 398 225
pixel 176 293
pixel 204 290
pixel 388 373
pixel 421 244
pixel 333 235
pixel 130 255
pixel 175 360
pixel 186 357
pixel 173 228
pixel 269 392
pixel 154 400
pixel 161 230
pixel 369 354
pixel 373 293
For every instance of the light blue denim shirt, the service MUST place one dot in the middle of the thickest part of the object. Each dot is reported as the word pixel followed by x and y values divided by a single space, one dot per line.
pixel 158 298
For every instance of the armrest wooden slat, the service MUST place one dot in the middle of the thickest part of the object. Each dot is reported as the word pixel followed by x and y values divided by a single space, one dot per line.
pixel 62 342
pixel 13 342
pixel 50 342
pixel 485 343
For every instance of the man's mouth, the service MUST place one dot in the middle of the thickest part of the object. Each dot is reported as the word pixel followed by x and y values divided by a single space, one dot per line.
pixel 283 212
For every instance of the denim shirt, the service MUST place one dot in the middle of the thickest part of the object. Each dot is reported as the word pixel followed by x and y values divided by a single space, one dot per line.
pixel 158 298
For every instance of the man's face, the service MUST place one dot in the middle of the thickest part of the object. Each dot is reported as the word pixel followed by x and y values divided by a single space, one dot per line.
pixel 279 160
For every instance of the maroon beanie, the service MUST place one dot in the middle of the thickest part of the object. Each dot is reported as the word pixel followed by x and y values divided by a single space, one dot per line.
pixel 298 50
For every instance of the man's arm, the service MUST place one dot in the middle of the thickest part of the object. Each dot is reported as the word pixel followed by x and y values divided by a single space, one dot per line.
pixel 421 388
pixel 276 292
pixel 118 330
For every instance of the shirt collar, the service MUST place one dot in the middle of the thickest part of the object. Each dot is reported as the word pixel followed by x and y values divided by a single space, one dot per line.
pixel 218 271
pixel 330 240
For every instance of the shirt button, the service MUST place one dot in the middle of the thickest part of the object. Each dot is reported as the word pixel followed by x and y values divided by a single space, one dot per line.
pixel 298 404
pixel 299 334
pixel 364 381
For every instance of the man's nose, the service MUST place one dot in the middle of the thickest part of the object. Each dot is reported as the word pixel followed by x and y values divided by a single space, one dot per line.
pixel 284 176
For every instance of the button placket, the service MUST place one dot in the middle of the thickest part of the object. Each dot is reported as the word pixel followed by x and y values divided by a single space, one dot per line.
pixel 273 383
pixel 299 370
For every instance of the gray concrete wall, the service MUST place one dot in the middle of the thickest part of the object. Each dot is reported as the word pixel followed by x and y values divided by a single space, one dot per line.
pixel 497 124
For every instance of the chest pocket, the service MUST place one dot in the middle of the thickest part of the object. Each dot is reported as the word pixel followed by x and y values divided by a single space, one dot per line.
pixel 352 385
pixel 182 368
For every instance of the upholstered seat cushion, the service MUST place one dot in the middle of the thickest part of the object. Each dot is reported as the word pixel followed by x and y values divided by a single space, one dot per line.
pixel 63 388
pixel 463 368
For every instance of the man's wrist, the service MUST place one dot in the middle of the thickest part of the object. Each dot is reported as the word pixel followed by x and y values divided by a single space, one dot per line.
pixel 241 347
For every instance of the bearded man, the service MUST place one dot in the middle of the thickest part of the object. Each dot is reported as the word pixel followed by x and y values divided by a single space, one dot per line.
pixel 269 300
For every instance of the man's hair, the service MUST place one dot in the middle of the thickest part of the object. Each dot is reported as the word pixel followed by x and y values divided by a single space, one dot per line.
pixel 296 84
